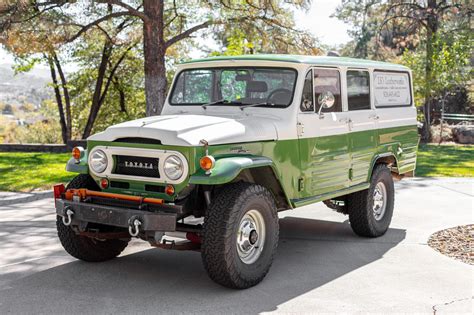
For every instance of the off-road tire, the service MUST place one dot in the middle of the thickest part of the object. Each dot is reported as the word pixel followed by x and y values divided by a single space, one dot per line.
pixel 361 216
pixel 219 249
pixel 82 247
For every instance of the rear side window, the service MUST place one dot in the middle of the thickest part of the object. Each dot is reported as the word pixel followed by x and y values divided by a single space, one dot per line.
pixel 358 90
pixel 392 89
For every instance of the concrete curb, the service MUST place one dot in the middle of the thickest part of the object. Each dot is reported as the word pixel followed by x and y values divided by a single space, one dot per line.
pixel 25 197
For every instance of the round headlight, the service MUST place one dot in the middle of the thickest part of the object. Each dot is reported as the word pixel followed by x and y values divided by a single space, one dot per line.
pixel 98 161
pixel 173 167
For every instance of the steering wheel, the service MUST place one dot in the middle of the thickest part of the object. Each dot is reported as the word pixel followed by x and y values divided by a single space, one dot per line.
pixel 283 91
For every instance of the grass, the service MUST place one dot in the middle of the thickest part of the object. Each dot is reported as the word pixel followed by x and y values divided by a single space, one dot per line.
pixel 445 161
pixel 30 171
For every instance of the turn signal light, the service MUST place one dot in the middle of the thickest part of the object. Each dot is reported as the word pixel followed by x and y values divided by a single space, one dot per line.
pixel 169 190
pixel 104 183
pixel 77 153
pixel 207 162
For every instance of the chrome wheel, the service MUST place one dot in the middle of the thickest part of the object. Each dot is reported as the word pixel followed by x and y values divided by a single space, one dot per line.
pixel 380 204
pixel 250 237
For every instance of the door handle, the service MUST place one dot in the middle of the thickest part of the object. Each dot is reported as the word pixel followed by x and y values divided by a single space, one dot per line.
pixel 348 121
pixel 375 117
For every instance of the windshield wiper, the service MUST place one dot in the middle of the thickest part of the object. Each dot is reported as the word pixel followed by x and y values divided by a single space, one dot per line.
pixel 220 102
pixel 257 104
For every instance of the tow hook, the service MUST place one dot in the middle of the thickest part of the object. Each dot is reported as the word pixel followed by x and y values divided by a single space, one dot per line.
pixel 68 218
pixel 134 226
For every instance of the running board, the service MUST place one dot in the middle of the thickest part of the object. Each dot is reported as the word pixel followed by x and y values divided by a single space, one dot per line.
pixel 309 200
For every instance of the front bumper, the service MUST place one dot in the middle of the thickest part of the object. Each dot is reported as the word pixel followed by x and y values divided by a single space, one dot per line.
pixel 116 216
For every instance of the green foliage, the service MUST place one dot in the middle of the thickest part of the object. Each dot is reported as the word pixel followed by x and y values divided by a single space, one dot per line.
pixel 25 64
pixel 125 98
pixel 30 171
pixel 237 44
pixel 364 21
pixel 450 65
pixel 38 132
pixel 445 160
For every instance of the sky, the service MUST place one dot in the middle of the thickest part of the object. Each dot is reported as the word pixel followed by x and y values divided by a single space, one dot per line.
pixel 330 31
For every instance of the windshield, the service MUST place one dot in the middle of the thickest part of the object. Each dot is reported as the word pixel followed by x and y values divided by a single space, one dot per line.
pixel 234 86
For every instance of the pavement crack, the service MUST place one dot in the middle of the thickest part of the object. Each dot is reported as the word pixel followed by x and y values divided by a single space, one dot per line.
pixel 435 307
pixel 454 190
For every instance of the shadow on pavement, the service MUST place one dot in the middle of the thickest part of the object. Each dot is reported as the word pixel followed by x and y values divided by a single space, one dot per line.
pixel 311 253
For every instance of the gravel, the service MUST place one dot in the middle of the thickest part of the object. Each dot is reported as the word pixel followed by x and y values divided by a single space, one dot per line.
pixel 456 242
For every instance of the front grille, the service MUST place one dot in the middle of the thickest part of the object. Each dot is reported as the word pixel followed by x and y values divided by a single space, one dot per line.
pixel 136 166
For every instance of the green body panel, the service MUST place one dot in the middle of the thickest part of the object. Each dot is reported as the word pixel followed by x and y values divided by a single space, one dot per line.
pixel 332 166
pixel 390 140
pixel 309 169
pixel 362 146
pixel 324 165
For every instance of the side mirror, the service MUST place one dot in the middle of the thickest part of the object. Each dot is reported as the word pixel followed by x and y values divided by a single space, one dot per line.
pixel 325 100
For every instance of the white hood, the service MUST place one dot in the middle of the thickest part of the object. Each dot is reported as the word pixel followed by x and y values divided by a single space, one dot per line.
pixel 188 130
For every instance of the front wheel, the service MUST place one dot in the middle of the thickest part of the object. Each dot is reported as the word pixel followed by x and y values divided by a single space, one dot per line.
pixel 240 235
pixel 371 210
pixel 82 247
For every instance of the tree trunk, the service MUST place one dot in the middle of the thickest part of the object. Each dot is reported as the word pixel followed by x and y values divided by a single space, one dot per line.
pixel 154 51
pixel 59 100
pixel 97 98
pixel 431 29
pixel 67 99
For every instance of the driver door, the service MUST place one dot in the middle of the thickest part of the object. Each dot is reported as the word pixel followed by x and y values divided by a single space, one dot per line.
pixel 323 138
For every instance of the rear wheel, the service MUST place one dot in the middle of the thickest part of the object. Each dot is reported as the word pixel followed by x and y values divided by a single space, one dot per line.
pixel 371 210
pixel 82 247
pixel 240 235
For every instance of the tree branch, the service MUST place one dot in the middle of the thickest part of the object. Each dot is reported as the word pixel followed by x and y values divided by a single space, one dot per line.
pixel 85 28
pixel 187 33
pixel 129 8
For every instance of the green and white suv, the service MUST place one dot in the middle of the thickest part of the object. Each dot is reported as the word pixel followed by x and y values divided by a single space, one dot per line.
pixel 240 139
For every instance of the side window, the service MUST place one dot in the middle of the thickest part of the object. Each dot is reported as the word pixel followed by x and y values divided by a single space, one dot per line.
pixel 307 103
pixel 328 80
pixel 358 90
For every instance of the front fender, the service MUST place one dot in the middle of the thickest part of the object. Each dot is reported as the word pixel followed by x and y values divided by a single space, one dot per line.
pixel 81 167
pixel 227 169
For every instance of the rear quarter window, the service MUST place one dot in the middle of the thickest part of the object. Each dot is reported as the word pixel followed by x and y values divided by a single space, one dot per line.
pixel 392 89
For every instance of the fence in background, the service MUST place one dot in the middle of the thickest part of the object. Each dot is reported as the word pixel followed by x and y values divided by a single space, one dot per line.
pixel 35 147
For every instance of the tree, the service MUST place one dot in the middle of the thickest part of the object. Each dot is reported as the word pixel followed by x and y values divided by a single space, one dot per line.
pixel 426 17
pixel 406 27
pixel 47 31
pixel 360 15
pixel 166 23
pixel 125 98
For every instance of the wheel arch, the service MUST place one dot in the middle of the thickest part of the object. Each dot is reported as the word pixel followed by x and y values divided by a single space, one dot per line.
pixel 388 159
pixel 253 169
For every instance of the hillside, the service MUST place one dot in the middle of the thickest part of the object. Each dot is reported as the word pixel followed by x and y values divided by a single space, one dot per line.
pixel 31 87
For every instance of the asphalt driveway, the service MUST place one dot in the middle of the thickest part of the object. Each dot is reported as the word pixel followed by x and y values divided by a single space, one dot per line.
pixel 321 265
